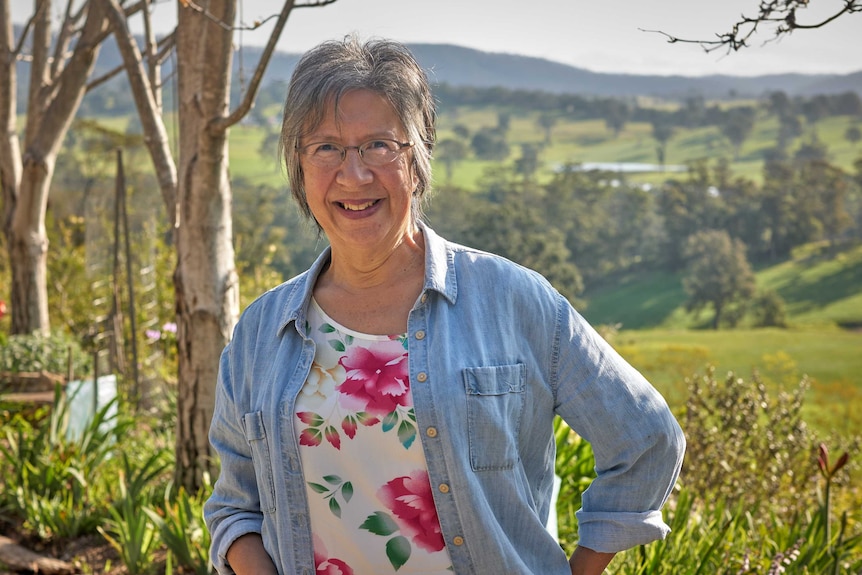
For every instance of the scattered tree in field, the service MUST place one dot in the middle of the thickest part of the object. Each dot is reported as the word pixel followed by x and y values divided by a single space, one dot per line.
pixel 769 310
pixel 662 132
pixel 461 131
pixel 789 129
pixel 490 144
pixel 450 151
pixel 616 116
pixel 853 134
pixel 737 126
pixel 528 163
pixel 717 273
pixel 547 121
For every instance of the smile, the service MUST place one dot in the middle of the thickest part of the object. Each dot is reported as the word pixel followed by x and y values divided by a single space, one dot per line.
pixel 358 207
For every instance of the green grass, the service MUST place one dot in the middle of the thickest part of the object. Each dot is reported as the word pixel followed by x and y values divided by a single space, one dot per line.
pixel 823 294
pixel 830 357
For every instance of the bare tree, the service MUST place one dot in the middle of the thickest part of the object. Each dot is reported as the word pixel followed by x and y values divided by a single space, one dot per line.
pixel 781 16
pixel 60 65
pixel 195 188
pixel 199 201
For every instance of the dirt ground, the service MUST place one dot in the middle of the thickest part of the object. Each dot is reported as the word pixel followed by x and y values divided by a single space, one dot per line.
pixel 90 554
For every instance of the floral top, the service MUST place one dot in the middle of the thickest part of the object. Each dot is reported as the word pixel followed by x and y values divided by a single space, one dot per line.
pixel 370 499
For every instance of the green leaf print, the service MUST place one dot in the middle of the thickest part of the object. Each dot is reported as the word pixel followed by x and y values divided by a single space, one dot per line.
pixel 337 345
pixel 347 491
pixel 326 328
pixel 406 434
pixel 318 488
pixel 332 479
pixel 380 523
pixel 390 421
pixel 398 551
pixel 335 507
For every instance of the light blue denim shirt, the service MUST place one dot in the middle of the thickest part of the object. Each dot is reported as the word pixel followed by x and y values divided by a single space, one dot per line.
pixel 494 354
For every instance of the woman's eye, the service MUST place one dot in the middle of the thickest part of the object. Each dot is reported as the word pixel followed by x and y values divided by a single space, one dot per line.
pixel 326 147
pixel 378 145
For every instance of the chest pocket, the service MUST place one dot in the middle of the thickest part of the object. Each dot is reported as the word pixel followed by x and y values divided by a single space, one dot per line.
pixel 495 401
pixel 255 434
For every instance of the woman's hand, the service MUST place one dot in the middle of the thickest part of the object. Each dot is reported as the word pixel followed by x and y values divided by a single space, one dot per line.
pixel 588 562
pixel 247 556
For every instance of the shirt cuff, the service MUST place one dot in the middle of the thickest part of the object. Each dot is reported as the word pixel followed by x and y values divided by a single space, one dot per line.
pixel 607 532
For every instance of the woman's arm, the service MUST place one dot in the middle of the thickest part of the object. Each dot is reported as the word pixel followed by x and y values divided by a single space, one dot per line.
pixel 247 556
pixel 588 562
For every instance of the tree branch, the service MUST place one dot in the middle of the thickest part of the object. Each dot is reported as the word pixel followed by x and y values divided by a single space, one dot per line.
pixel 781 13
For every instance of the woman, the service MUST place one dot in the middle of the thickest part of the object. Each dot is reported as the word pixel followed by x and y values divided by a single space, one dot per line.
pixel 390 409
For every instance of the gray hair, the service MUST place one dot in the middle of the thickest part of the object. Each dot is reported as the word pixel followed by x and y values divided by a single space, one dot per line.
pixel 325 73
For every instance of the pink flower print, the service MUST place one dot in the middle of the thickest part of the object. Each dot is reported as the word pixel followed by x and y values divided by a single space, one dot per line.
pixel 377 378
pixel 328 565
pixel 409 499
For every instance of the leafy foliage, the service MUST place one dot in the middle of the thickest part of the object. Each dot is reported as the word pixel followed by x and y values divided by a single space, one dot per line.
pixel 54 353
pixel 718 273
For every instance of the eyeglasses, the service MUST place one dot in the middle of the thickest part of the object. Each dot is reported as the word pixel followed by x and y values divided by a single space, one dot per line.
pixel 373 152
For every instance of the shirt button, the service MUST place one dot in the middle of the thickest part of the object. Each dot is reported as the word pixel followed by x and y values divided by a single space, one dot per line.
pixel 431 432
pixel 424 297
pixel 421 377
pixel 443 488
pixel 458 540
pixel 420 334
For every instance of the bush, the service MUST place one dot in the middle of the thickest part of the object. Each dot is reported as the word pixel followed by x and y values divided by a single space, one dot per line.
pixel 746 446
pixel 769 310
pixel 54 353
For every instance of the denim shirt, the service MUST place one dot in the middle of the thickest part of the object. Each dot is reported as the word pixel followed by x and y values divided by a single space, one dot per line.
pixel 495 352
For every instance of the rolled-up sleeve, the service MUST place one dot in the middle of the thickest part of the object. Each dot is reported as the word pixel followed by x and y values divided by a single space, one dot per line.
pixel 637 442
pixel 233 509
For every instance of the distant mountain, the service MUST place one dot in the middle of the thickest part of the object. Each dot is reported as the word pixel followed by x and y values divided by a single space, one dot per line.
pixel 459 66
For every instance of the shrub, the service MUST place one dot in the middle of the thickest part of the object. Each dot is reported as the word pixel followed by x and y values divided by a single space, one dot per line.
pixel 746 446
pixel 54 353
pixel 769 310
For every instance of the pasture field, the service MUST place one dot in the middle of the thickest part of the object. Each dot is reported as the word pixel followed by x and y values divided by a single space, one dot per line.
pixel 576 142
pixel 823 296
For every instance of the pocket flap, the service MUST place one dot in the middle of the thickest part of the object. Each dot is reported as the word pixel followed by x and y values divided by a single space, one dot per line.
pixel 495 380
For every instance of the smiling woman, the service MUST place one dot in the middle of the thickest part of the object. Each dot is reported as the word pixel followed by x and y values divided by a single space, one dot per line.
pixel 393 406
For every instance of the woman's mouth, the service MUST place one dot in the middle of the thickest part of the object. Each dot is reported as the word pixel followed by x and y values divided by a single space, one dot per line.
pixel 357 207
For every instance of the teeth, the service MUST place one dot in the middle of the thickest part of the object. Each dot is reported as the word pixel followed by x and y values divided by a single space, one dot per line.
pixel 357 207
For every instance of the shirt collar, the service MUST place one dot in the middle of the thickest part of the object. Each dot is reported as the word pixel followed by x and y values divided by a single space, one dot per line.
pixel 439 277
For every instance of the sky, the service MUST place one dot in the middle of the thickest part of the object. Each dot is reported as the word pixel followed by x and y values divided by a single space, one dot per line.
pixel 598 35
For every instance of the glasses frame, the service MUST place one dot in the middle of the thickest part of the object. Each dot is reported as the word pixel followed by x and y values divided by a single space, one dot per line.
pixel 402 146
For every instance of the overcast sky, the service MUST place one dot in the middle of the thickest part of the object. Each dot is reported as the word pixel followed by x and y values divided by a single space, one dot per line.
pixel 599 35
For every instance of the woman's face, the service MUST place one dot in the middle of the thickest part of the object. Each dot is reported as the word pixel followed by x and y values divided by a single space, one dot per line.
pixel 357 205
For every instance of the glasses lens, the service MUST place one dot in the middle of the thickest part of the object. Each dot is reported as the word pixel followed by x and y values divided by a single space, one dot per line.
pixel 377 152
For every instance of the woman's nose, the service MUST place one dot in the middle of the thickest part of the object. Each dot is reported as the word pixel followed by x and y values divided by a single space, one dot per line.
pixel 353 169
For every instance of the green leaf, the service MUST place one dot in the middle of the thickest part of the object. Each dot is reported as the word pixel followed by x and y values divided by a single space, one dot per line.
pixel 335 507
pixel 332 479
pixel 390 420
pixel 406 434
pixel 398 551
pixel 318 488
pixel 327 328
pixel 337 345
pixel 380 523
pixel 347 491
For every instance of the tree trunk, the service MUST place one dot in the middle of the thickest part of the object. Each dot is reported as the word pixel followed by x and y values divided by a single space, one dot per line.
pixel 205 280
pixel 57 86
pixel 28 250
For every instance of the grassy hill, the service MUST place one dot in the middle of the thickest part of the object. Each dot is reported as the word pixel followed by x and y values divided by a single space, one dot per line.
pixel 823 293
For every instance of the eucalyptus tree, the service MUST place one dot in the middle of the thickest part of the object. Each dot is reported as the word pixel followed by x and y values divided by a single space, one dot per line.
pixel 197 194
pixel 61 63
pixel 194 187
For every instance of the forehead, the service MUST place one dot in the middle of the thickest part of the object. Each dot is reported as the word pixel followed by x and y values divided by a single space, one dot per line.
pixel 356 112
